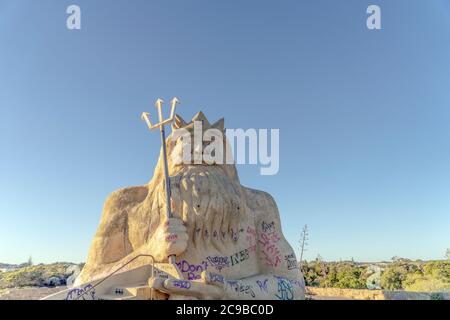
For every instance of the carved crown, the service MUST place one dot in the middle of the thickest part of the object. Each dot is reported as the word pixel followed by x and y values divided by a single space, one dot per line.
pixel 179 123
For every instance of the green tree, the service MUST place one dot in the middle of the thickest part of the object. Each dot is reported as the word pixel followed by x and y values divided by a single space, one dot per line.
pixel 331 278
pixel 392 279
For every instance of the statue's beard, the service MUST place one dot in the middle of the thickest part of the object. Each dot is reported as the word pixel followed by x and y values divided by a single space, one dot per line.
pixel 210 203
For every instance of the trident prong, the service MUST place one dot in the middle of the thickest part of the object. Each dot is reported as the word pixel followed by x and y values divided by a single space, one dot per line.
pixel 175 101
pixel 159 103
pixel 146 117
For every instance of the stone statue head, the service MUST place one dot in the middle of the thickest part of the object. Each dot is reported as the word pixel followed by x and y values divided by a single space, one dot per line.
pixel 199 143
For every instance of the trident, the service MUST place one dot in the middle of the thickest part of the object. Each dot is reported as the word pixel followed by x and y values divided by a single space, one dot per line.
pixel 160 125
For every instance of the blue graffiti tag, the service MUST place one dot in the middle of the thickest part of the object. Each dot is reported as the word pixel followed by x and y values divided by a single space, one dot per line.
pixel 262 285
pixel 285 289
pixel 213 277
pixel 76 293
pixel 182 284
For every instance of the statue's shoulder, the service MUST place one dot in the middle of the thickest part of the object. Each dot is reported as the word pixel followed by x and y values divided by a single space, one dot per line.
pixel 124 198
pixel 261 203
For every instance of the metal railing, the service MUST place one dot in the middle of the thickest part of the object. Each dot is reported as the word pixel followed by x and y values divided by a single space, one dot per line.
pixel 116 271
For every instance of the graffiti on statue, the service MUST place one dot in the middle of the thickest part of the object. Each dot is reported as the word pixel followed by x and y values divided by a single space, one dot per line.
pixel 182 284
pixel 242 288
pixel 216 278
pixel 285 289
pixel 269 248
pixel 193 271
pixel 262 284
pixel 86 293
pixel 291 261
pixel 218 262
pixel 239 257
pixel 251 239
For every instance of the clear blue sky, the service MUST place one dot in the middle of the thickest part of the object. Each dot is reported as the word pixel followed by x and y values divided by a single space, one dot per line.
pixel 364 115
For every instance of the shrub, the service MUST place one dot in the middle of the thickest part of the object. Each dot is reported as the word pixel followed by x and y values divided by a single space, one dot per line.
pixel 33 275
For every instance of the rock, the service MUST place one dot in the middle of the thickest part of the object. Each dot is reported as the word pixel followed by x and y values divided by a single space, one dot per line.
pixel 53 282
pixel 73 272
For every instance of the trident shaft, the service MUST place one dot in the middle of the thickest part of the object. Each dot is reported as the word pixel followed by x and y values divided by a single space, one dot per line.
pixel 160 125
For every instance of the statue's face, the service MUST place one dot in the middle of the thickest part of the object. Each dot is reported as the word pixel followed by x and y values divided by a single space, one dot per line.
pixel 197 143
pixel 191 147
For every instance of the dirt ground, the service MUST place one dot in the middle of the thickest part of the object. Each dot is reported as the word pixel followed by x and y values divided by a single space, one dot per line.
pixel 28 293
pixel 39 293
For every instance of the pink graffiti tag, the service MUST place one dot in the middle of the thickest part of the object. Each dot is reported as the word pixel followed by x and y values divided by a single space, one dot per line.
pixel 251 239
pixel 268 241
